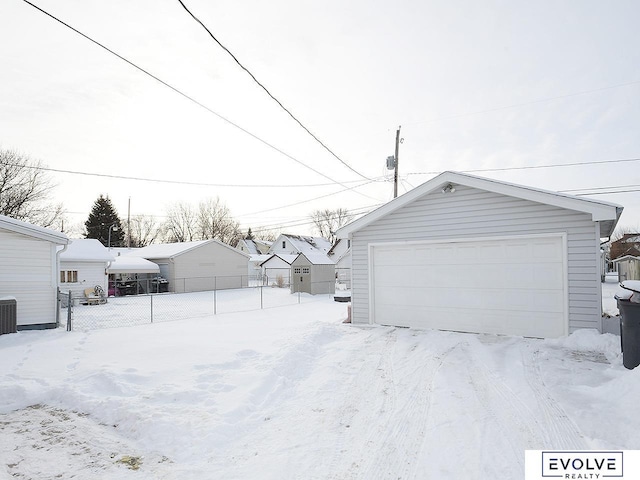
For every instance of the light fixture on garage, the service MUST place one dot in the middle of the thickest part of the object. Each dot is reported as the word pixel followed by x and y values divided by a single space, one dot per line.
pixel 448 188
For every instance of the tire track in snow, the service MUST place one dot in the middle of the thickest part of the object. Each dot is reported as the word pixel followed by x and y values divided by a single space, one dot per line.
pixel 560 431
pixel 394 443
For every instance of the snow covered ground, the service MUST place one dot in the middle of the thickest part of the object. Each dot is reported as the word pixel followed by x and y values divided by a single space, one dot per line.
pixel 291 392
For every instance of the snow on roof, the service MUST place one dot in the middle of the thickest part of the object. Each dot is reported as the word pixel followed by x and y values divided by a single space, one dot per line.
pixel 259 257
pixel 25 228
pixel 251 247
pixel 167 250
pixel 309 244
pixel 318 259
pixel 132 264
pixel 86 250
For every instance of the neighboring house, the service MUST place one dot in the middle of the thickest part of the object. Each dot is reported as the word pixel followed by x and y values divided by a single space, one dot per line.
pixel 471 254
pixel 253 247
pixel 83 265
pixel 313 273
pixel 340 254
pixel 198 266
pixel 629 244
pixel 295 244
pixel 29 271
pixel 276 269
pixel 628 268
pixel 257 251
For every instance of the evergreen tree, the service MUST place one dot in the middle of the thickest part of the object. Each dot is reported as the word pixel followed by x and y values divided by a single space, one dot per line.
pixel 102 219
pixel 249 235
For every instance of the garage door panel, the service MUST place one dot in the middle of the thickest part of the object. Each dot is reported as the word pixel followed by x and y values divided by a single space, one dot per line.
pixel 515 287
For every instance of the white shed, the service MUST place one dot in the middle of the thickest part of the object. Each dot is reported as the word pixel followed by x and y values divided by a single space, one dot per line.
pixel 313 273
pixel 29 271
pixel 628 268
pixel 471 254
pixel 83 265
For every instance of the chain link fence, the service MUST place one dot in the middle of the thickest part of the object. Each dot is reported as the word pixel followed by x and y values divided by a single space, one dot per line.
pixel 131 309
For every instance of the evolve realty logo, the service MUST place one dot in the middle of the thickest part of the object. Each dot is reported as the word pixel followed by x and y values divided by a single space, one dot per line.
pixel 582 465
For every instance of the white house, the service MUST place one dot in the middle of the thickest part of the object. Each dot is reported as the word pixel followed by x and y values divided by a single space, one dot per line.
pixel 29 271
pixel 83 265
pixel 295 244
pixel 198 266
pixel 253 246
pixel 471 254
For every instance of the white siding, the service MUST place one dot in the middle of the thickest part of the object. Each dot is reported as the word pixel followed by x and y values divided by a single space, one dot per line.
pixel 28 273
pixel 90 274
pixel 472 213
pixel 207 267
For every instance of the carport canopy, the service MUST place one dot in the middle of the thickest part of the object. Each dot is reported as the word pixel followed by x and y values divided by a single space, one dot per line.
pixel 131 264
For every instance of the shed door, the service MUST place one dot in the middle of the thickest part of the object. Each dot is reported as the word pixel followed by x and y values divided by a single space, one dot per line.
pixel 503 286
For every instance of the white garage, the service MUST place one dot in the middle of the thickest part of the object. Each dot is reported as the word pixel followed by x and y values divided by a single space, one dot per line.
pixel 469 254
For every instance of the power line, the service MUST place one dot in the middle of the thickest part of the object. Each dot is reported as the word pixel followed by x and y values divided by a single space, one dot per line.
pixel 235 59
pixel 306 201
pixel 598 188
pixel 188 97
pixel 597 162
pixel 175 182
pixel 607 193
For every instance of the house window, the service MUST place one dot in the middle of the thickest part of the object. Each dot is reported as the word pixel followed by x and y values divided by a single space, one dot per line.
pixel 284 244
pixel 296 270
pixel 305 270
pixel 349 243
pixel 69 276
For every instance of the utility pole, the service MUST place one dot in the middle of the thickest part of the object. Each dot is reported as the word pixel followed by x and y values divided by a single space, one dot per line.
pixel 395 173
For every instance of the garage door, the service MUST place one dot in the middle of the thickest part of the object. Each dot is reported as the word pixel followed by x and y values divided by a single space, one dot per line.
pixel 511 286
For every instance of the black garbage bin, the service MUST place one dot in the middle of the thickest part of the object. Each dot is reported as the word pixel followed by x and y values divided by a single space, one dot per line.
pixel 629 332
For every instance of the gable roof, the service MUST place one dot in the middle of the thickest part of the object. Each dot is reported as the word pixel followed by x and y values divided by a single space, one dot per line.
pixel 171 250
pixel 285 257
pixel 254 246
pixel 24 228
pixel 86 250
pixel 607 214
pixel 306 244
pixel 316 258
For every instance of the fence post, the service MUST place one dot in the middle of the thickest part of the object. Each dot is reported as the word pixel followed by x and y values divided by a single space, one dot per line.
pixel 69 312
pixel 151 297
pixel 261 307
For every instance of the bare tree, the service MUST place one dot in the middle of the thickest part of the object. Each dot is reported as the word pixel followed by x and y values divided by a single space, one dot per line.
pixel 181 224
pixel 215 221
pixel 327 222
pixel 25 191
pixel 145 230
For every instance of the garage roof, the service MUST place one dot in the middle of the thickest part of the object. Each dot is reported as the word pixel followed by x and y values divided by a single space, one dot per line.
pixel 35 231
pixel 607 214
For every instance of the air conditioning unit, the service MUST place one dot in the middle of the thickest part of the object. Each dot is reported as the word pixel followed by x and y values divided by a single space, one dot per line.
pixel 8 316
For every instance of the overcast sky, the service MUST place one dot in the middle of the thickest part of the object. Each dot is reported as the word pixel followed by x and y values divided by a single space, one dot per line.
pixel 474 85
